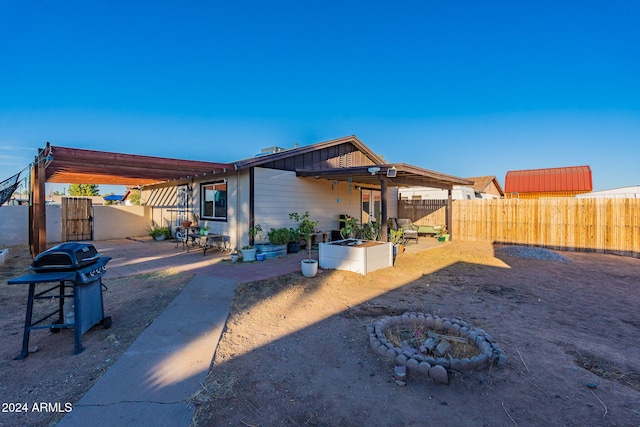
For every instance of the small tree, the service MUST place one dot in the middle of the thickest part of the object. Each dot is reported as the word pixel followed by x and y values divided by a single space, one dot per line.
pixel 84 190
pixel 305 227
pixel 254 232
pixel 134 197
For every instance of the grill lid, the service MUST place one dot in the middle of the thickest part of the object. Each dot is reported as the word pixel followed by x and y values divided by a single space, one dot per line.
pixel 66 256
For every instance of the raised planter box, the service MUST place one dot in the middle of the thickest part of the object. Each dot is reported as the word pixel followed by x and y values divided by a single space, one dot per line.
pixel 359 256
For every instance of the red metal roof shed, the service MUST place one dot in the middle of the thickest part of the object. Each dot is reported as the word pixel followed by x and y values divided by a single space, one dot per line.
pixel 567 179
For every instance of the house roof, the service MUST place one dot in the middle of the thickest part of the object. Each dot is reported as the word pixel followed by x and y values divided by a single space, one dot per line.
pixel 571 178
pixel 348 159
pixel 324 159
pixel 307 150
pixel 78 166
pixel 406 176
pixel 480 183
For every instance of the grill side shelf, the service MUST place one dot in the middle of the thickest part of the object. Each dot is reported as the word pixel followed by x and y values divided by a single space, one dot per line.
pixel 58 276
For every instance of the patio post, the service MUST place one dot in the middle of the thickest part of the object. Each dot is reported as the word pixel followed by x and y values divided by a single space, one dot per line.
pixel 383 208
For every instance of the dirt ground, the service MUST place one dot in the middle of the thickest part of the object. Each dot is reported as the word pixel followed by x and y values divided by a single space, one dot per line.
pixel 52 374
pixel 295 350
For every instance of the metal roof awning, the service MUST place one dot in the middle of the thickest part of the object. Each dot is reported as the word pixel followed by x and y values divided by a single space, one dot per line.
pixel 399 174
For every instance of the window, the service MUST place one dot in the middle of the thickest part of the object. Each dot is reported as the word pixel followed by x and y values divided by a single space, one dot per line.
pixel 213 201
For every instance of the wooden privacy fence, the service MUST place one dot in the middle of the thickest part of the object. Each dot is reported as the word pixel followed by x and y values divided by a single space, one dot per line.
pixel 600 225
pixel 424 212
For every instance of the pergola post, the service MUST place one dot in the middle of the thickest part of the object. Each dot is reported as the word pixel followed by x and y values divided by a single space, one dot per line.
pixel 37 208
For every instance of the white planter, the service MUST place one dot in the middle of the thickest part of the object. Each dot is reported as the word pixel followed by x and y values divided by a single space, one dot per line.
pixel 249 254
pixel 361 257
pixel 309 267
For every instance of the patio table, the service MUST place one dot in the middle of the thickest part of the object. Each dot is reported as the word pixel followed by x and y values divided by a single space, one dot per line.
pixel 206 241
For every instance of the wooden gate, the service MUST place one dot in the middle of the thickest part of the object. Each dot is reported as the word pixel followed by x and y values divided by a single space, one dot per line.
pixel 77 218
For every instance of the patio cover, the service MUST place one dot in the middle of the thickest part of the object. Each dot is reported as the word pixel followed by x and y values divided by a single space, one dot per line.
pixel 384 175
pixel 398 174
pixel 77 166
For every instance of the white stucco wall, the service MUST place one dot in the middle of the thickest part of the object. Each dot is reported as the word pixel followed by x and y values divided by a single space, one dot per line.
pixel 14 225
pixel 117 222
pixel 109 222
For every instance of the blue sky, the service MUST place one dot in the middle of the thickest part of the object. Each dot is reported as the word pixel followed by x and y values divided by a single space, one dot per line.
pixel 466 88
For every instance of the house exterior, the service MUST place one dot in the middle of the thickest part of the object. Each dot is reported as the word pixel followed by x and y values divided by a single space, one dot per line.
pixel 328 179
pixel 550 182
pixel 484 187
pixel 632 192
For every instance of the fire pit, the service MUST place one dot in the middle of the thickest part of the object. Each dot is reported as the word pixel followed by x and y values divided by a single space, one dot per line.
pixel 430 344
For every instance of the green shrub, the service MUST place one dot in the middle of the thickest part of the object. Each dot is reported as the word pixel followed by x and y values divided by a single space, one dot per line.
pixel 278 236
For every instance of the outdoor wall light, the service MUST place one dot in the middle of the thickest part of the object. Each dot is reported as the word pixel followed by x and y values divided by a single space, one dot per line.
pixel 391 172
pixel 373 170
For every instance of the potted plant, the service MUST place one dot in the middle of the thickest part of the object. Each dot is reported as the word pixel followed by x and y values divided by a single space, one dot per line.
pixel 350 229
pixel 249 252
pixel 204 230
pixel 293 245
pixel 277 246
pixel 306 227
pixel 397 240
pixel 160 233
pixel 443 235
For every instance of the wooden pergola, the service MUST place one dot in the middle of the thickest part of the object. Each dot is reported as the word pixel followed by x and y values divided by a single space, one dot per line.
pixel 76 166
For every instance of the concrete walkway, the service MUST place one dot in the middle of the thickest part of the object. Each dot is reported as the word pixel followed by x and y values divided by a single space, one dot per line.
pixel 151 383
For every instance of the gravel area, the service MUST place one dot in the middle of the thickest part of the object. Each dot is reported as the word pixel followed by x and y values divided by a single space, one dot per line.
pixel 529 252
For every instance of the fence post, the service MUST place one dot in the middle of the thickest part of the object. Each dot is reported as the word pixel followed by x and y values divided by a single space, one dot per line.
pixel 449 214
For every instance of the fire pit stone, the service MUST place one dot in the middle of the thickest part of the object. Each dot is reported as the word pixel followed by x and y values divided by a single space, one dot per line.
pixel 433 339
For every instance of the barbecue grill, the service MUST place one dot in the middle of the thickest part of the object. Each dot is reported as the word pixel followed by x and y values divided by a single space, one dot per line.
pixel 75 266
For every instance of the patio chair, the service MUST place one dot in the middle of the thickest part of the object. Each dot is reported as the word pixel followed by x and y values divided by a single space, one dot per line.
pixel 181 236
pixel 409 230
